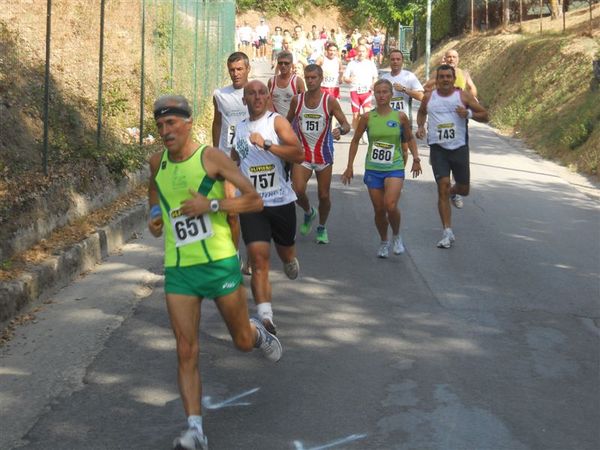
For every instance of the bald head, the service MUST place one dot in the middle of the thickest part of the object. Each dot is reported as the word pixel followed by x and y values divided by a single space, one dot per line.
pixel 451 58
pixel 256 98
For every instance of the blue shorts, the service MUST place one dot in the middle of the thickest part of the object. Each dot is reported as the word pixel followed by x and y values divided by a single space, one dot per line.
pixel 375 179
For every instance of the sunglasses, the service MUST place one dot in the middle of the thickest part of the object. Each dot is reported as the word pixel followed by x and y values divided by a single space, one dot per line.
pixel 283 63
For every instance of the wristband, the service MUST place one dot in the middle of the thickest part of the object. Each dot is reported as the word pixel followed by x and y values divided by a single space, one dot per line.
pixel 155 211
pixel 342 132
pixel 469 114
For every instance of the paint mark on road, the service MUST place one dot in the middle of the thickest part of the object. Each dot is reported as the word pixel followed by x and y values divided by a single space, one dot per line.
pixel 353 437
pixel 233 401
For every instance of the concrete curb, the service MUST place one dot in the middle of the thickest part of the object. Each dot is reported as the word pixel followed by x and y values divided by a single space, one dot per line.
pixel 49 277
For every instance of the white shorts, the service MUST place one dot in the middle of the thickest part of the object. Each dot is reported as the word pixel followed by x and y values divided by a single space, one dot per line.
pixel 315 167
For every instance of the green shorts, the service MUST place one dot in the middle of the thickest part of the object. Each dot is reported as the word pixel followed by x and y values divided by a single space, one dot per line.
pixel 213 280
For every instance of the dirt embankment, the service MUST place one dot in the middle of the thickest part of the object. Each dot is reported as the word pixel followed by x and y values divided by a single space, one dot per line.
pixel 539 87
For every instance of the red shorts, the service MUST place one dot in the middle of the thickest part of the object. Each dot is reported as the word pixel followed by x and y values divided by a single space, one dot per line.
pixel 361 101
pixel 333 91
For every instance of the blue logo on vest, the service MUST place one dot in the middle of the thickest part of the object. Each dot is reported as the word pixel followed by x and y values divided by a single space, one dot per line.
pixel 392 123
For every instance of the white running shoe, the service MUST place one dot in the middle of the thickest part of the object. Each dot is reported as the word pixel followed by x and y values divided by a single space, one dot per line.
pixel 267 342
pixel 191 439
pixel 397 245
pixel 457 201
pixel 447 239
pixel 384 249
pixel 292 269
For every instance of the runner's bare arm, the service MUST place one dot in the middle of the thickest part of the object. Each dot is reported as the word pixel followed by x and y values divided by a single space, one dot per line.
pixel 478 112
pixel 155 224
pixel 336 110
pixel 470 88
pixel 412 145
pixel 216 124
pixel 219 166
pixel 289 148
pixel 291 115
pixel 422 116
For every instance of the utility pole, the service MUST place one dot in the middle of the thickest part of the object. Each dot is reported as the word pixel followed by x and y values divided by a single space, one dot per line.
pixel 428 40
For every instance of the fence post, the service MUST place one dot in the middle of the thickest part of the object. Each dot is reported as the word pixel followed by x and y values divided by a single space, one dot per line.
pixel 47 84
pixel 195 91
pixel 172 46
pixel 100 75
pixel 142 85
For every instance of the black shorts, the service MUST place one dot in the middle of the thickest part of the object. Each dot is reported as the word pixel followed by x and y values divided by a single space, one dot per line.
pixel 276 222
pixel 262 42
pixel 444 161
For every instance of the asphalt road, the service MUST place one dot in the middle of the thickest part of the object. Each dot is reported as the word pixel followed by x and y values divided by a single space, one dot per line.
pixel 493 344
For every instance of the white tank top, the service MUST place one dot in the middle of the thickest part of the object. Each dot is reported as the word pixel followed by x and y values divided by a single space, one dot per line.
pixel 331 72
pixel 268 172
pixel 232 109
pixel 444 126
pixel 282 97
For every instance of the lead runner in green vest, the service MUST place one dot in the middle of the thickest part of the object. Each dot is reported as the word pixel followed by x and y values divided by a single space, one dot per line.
pixel 384 163
pixel 188 206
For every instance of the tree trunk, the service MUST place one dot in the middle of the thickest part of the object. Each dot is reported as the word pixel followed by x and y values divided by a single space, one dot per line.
pixel 505 12
pixel 555 8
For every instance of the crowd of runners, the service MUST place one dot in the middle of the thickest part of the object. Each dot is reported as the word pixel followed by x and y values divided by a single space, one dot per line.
pixel 267 141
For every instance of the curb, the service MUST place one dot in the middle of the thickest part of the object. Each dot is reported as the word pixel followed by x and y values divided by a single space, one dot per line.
pixel 47 278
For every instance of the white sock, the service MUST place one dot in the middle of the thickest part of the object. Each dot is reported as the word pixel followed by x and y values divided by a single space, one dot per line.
pixel 195 422
pixel 264 309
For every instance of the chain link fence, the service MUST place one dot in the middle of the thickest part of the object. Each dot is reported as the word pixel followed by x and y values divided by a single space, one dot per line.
pixel 78 77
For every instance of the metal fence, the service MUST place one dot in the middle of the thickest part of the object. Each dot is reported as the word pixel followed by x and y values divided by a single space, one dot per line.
pixel 104 61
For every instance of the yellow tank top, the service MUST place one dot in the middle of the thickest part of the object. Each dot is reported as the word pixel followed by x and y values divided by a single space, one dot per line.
pixel 461 81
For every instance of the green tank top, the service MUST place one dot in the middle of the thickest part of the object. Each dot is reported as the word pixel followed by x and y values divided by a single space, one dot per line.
pixel 191 240
pixel 385 137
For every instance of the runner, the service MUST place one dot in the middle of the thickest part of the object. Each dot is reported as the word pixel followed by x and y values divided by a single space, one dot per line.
pixel 245 34
pixel 276 45
pixel 262 31
pixel 449 110
pixel 361 73
pixel 332 70
pixel 464 82
pixel 200 261
pixel 377 46
pixel 384 165
pixel 313 111
pixel 229 110
pixel 265 144
pixel 406 87
pixel 285 84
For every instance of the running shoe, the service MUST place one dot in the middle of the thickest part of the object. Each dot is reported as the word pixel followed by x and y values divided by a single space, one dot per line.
pixel 447 239
pixel 291 269
pixel 308 220
pixel 267 322
pixel 384 249
pixel 457 201
pixel 397 245
pixel 191 439
pixel 322 237
pixel 267 342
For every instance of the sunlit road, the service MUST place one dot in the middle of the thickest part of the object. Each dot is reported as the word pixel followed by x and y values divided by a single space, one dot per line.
pixel 493 344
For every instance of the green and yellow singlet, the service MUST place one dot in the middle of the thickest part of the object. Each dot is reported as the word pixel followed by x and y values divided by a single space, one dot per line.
pixel 191 240
pixel 385 137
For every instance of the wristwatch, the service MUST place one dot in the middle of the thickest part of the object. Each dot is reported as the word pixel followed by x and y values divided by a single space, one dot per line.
pixel 267 144
pixel 214 205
